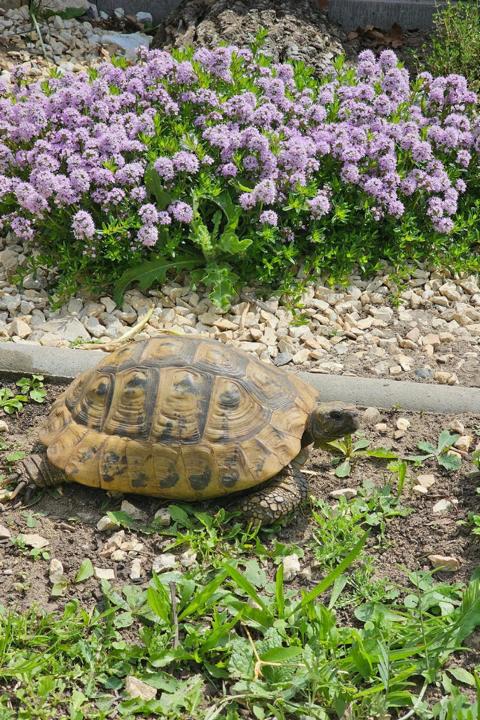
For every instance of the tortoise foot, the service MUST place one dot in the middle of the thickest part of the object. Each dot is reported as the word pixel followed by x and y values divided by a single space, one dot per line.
pixel 279 497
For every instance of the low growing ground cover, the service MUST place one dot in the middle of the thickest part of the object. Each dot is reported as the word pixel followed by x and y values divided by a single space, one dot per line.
pixel 220 163
pixel 336 615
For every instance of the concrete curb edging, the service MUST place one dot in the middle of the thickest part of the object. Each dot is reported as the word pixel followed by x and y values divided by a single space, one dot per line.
pixel 65 364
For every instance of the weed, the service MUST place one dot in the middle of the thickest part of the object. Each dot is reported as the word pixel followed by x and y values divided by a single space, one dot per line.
pixel 31 389
pixel 442 453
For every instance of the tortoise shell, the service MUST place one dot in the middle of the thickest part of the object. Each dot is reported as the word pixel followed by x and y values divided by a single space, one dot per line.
pixel 178 417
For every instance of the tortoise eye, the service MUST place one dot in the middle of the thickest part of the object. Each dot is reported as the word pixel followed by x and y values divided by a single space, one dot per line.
pixel 336 415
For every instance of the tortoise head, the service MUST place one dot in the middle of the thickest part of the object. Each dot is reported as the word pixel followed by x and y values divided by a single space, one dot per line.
pixel 330 421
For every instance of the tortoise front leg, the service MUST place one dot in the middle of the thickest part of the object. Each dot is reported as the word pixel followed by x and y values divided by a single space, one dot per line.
pixel 284 493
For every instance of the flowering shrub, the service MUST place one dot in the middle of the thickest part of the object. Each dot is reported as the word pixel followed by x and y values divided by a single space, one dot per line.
pixel 223 161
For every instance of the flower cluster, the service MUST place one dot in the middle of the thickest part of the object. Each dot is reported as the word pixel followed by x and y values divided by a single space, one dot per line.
pixel 75 150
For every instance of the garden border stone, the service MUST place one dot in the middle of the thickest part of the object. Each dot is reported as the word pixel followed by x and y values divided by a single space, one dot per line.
pixel 65 364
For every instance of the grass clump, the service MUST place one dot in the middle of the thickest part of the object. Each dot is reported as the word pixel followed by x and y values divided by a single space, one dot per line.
pixel 455 43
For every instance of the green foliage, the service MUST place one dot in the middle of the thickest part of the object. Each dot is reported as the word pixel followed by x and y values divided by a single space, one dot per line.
pixel 32 389
pixel 441 453
pixel 455 43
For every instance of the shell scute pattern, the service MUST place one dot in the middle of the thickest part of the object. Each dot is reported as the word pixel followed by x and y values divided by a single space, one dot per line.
pixel 178 417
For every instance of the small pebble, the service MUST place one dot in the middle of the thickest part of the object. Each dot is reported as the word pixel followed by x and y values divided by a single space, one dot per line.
pixel 444 505
pixel 464 442
pixel 403 424
pixel 4 533
pixel 133 511
pixel 381 428
pixel 420 490
pixel 426 481
pixel 3 426
pixel 291 567
pixel 163 517
pixel 138 689
pixel 371 416
pixel 105 523
pixel 347 493
pixel 136 569
pixel 167 561
pixel 446 562
pixel 55 571
pixel 34 541
pixel 104 573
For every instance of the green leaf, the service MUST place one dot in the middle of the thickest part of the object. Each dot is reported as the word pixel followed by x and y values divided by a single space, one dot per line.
pixel 382 453
pixel 159 602
pixel 200 235
pixel 360 444
pixel 246 586
pixel 154 185
pixel 446 440
pixel 427 447
pixel 450 462
pixel 152 271
pixel 255 574
pixel 279 594
pixel 281 654
pixel 331 577
pixel 344 469
pixel 38 395
pixel 462 675
pixel 205 594
pixel 230 243
pixel 85 571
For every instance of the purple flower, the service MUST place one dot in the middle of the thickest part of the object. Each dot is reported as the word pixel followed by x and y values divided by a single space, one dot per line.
pixel 148 214
pixel 269 217
pixel 164 167
pixel 83 226
pixel 181 211
pixel 320 204
pixel 164 218
pixel 148 235
pixel 185 162
pixel 265 192
pixel 228 170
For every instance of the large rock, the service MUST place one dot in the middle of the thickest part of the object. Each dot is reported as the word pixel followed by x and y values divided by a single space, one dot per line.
pixel 298 30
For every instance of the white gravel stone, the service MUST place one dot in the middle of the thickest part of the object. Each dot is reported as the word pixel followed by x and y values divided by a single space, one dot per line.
pixel 446 562
pixel 136 569
pixel 104 573
pixel 371 416
pixel 55 571
pixel 291 567
pixel 34 540
pixel 346 492
pixel 105 523
pixel 133 511
pixel 444 505
pixel 402 424
pixel 3 426
pixel 5 533
pixel 138 689
pixel 464 442
pixel 163 517
pixel 426 481
pixel 166 561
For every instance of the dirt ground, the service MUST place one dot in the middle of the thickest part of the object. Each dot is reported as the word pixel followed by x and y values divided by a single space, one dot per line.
pixel 67 516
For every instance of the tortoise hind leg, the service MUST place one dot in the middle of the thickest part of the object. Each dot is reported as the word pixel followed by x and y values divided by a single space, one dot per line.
pixel 284 493
pixel 36 471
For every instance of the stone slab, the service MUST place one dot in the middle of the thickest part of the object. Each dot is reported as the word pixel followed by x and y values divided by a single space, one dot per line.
pixel 409 14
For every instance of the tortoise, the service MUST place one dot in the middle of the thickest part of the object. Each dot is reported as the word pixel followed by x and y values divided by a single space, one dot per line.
pixel 186 418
